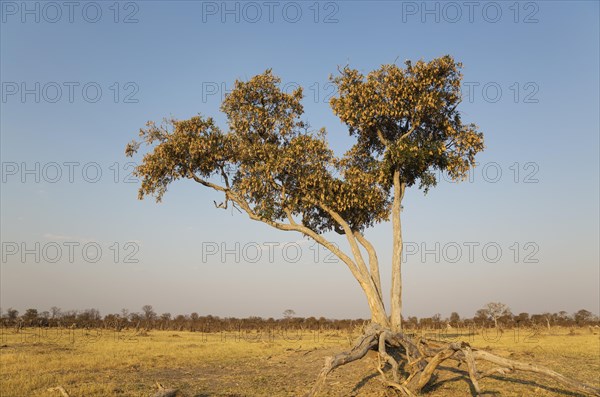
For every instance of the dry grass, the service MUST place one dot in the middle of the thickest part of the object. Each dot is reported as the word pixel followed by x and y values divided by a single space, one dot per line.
pixel 217 365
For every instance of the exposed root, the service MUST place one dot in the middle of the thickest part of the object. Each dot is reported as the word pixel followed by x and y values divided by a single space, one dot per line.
pixel 512 365
pixel 360 349
pixel 423 378
pixel 420 359
pixel 400 387
pixel 472 368
pixel 387 358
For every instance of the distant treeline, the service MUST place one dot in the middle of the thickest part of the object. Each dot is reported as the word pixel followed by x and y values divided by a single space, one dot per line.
pixel 148 319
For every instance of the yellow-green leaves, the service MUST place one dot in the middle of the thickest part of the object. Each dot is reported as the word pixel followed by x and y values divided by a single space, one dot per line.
pixel 258 110
pixel 270 163
pixel 179 147
pixel 408 119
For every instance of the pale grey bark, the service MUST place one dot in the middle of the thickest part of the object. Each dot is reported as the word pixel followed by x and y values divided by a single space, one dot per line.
pixel 396 292
pixel 373 262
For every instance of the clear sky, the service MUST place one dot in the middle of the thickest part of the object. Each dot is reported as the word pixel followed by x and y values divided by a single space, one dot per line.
pixel 79 80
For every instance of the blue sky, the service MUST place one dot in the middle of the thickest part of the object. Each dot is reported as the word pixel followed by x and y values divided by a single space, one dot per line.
pixel 530 213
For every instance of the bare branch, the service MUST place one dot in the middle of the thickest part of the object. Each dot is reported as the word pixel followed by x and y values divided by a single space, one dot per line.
pixel 221 205
pixel 516 365
pixel 206 183
pixel 350 237
pixel 410 131
pixel 382 139
pixel 373 260
pixel 225 177
pixel 304 230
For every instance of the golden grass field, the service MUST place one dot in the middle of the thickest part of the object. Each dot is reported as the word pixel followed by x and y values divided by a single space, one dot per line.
pixel 105 363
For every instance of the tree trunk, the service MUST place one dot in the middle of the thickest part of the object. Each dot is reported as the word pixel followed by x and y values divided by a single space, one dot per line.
pixel 396 293
pixel 378 314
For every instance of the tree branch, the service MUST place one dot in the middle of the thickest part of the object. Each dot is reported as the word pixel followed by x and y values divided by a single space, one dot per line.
pixel 382 139
pixel 373 260
pixel 302 229
pixel 349 236
pixel 225 177
pixel 410 131
pixel 206 183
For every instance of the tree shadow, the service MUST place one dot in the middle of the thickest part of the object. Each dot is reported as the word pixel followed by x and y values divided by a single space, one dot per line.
pixel 396 353
pixel 464 376
pixel 363 382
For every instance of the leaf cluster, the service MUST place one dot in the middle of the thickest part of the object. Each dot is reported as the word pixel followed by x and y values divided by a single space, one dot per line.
pixel 271 164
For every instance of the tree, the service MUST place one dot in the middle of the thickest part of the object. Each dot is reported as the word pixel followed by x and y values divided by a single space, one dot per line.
pixel 436 320
pixel 481 316
pixel 55 312
pixel 112 321
pixel 548 318
pixel 89 318
pixel 272 166
pixel 30 316
pixel 180 321
pixel 522 319
pixel 149 315
pixel 289 314
pixel 279 172
pixel 454 319
pixel 165 319
pixel 495 310
pixel 12 314
pixel 582 317
pixel 563 318
pixel 193 319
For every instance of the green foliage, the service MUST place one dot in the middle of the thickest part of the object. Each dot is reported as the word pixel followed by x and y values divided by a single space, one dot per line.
pixel 274 167
pixel 407 120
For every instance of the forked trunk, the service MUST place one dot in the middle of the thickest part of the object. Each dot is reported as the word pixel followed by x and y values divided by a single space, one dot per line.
pixel 378 314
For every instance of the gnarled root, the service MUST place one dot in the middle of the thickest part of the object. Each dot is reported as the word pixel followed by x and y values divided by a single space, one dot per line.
pixel 384 337
pixel 360 349
pixel 420 359
pixel 512 365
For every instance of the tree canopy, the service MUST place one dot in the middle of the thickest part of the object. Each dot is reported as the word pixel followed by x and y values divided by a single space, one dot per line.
pixel 271 164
